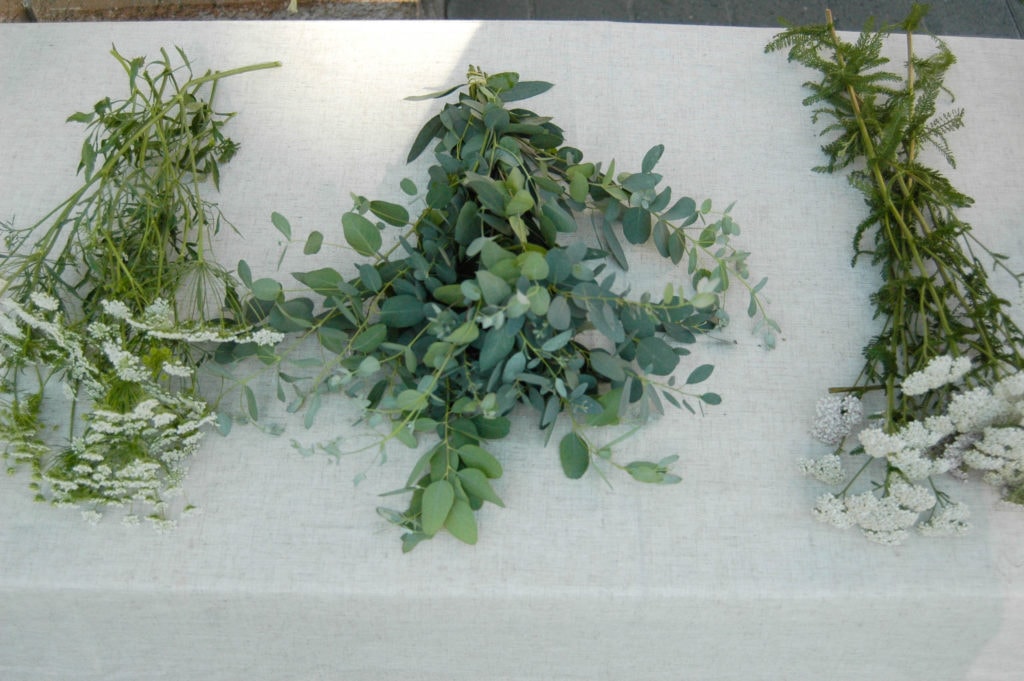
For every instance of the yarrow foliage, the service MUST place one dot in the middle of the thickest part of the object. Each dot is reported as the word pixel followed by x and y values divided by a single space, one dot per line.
pixel 485 297
pixel 948 362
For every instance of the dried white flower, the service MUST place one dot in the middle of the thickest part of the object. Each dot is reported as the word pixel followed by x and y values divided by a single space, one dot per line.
pixel 912 497
pixel 914 466
pixel 1007 443
pixel 948 520
pixel 828 469
pixel 977 409
pixel 886 538
pixel 878 444
pixel 880 514
pixel 835 418
pixel 1010 388
pixel 941 371
pixel 832 510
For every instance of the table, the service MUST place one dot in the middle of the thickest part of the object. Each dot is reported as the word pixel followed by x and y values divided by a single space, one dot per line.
pixel 288 573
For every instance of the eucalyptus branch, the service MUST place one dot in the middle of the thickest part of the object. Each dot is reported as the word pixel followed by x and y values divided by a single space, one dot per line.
pixel 479 307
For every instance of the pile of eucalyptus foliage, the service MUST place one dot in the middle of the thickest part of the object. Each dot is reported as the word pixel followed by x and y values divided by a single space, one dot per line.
pixel 488 297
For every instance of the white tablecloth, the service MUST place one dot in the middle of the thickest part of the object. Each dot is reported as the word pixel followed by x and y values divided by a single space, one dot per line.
pixel 289 573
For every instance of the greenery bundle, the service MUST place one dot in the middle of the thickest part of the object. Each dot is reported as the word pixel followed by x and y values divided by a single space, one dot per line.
pixel 487 297
pixel 115 296
pixel 948 358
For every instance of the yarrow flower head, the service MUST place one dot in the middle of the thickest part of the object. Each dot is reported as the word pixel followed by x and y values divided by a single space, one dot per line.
pixel 828 469
pixel 836 417
pixel 941 371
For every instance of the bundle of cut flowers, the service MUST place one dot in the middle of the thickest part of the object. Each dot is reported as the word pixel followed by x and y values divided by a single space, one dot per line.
pixel 112 301
pixel 941 395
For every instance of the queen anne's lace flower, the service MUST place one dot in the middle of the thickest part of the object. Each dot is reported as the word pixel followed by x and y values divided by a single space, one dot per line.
pixel 266 337
pixel 116 309
pixel 44 301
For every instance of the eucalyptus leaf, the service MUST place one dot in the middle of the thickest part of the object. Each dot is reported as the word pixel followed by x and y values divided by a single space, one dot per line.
pixel 655 356
pixel 391 213
pixel 361 234
pixel 313 243
pixel 438 499
pixel 525 89
pixel 461 522
pixel 281 224
pixel 574 455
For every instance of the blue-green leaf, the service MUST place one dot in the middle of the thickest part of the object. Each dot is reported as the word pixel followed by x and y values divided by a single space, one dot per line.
pixel 683 208
pixel 479 458
pixel 402 311
pixel 461 522
pixel 574 455
pixel 651 158
pixel 655 356
pixel 281 224
pixel 266 289
pixel 475 482
pixel 525 89
pixel 361 234
pixel 438 499
pixel 313 243
pixel 391 213
pixel 700 374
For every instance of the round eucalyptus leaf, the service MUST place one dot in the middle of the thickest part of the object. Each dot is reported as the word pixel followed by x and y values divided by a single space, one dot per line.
pixel 266 289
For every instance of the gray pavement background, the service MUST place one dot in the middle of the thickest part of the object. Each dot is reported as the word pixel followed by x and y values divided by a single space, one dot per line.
pixel 981 18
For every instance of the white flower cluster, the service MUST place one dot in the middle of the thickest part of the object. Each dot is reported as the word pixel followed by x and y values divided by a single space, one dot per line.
pixel 882 519
pixel 128 457
pixel 828 469
pixel 157 321
pixel 836 417
pixel 125 456
pixel 982 429
pixel 941 371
